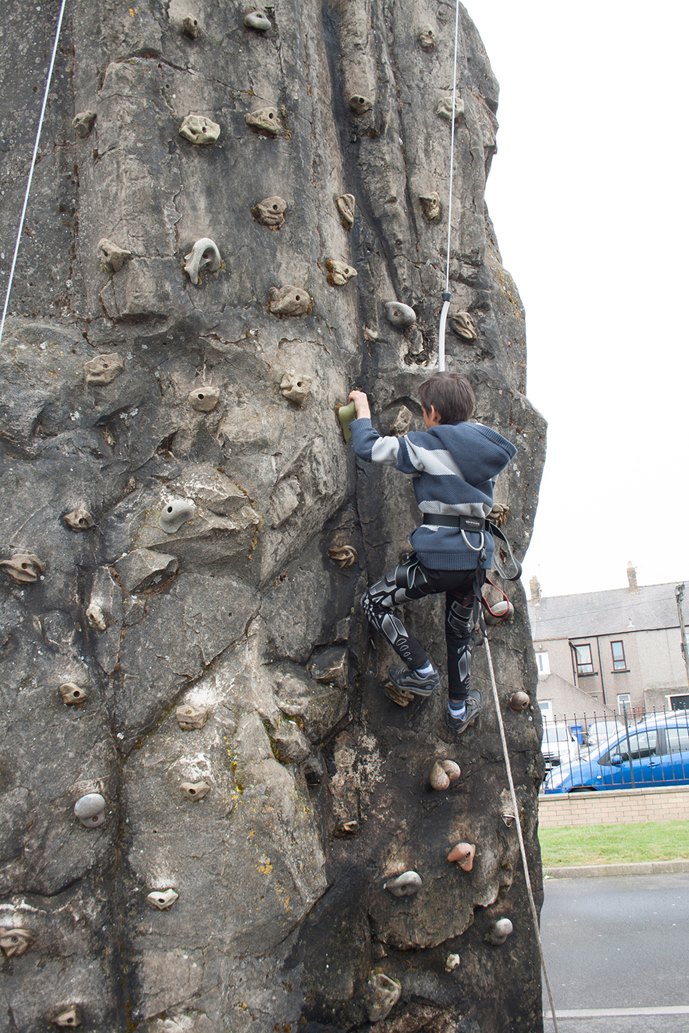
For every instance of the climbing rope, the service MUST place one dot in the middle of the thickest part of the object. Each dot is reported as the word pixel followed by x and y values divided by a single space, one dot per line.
pixel 520 835
pixel 446 293
pixel 33 166
pixel 441 367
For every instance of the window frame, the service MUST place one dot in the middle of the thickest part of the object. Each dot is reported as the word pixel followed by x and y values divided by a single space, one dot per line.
pixel 619 659
pixel 580 664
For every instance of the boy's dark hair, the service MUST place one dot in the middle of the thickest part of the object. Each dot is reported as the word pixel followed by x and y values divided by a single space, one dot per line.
pixel 451 394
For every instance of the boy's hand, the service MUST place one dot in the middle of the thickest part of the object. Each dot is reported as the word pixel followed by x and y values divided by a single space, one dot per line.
pixel 360 404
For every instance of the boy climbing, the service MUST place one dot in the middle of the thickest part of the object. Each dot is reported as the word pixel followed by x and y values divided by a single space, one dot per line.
pixel 454 464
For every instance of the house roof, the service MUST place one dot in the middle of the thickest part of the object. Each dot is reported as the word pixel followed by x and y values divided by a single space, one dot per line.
pixel 614 612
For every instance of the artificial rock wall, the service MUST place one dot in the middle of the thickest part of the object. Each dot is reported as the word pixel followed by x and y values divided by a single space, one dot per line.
pixel 185 535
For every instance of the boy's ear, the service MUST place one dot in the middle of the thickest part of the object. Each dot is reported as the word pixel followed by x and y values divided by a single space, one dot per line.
pixel 435 416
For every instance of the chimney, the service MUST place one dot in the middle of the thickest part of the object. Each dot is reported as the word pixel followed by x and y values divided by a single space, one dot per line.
pixel 631 577
pixel 535 586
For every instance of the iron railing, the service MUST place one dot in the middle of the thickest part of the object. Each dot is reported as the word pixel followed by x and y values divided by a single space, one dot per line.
pixel 632 751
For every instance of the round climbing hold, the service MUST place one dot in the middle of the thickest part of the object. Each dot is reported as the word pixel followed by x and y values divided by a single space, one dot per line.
pixel 90 810
pixel 407 884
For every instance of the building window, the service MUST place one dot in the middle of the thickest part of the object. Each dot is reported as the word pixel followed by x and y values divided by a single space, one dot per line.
pixel 618 661
pixel 624 702
pixel 546 708
pixel 543 663
pixel 584 659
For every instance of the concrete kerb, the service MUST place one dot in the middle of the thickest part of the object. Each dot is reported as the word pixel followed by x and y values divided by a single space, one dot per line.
pixel 597 870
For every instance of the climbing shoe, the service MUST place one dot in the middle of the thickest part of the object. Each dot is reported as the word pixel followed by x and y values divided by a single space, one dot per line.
pixel 473 709
pixel 419 685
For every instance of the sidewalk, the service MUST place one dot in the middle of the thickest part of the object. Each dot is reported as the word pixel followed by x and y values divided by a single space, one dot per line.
pixel 597 870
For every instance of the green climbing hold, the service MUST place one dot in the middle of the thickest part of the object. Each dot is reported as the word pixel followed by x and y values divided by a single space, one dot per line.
pixel 345 414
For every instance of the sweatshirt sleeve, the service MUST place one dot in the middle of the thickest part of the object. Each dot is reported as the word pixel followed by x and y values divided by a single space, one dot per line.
pixel 368 444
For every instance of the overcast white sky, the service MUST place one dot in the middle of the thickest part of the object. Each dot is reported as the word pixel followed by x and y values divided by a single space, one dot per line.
pixel 588 194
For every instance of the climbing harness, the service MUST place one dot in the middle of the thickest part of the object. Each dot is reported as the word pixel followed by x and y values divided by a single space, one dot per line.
pixel 446 293
pixel 41 118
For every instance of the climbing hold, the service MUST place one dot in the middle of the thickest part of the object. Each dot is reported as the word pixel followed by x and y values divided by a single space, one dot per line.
pixel 15 941
pixel 289 301
pixel 90 810
pixel 444 108
pixel 463 856
pixel 382 994
pixel 399 315
pixel 73 695
pixel 191 27
pixel 346 828
pixel 438 777
pixel 463 325
pixel 360 105
pixel 346 414
pixel 499 931
pixel 176 513
pixel 407 884
pixel 344 555
pixel 24 568
pixel 112 257
pixel 270 211
pixel 430 206
pixel 346 208
pixel 520 701
pixel 498 514
pixel 296 388
pixel 95 617
pixel 452 962
pixel 199 130
pixel 402 697
pixel 162 899
pixel 258 21
pixel 339 273
pixel 69 1018
pixel 496 613
pixel 79 519
pixel 83 123
pixel 443 773
pixel 204 399
pixel 402 421
pixel 190 718
pixel 103 369
pixel 203 255
pixel 195 790
pixel 264 120
pixel 426 37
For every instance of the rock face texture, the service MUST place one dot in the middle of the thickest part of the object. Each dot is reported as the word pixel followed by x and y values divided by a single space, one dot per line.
pixel 204 788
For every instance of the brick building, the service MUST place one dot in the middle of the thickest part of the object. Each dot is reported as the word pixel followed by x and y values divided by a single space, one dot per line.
pixel 599 652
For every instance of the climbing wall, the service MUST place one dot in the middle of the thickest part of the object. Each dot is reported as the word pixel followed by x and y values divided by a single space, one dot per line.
pixel 213 818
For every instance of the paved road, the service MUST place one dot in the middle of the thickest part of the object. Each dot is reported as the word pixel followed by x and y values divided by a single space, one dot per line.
pixel 616 951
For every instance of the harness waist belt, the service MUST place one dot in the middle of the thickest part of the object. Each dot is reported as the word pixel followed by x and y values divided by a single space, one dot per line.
pixel 463 523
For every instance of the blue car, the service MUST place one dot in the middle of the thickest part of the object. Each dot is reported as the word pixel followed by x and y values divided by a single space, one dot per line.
pixel 654 752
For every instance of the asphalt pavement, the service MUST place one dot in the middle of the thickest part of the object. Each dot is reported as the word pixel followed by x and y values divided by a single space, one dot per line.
pixel 616 953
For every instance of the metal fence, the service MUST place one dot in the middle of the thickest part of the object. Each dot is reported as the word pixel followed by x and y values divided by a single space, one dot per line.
pixel 627 752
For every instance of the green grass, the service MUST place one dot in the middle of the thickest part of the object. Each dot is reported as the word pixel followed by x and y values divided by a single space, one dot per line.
pixel 615 844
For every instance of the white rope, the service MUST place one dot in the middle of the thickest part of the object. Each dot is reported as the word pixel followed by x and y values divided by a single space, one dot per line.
pixel 446 292
pixel 520 835
pixel 33 166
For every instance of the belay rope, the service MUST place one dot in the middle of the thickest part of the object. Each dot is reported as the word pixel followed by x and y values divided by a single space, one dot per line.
pixel 41 118
pixel 496 696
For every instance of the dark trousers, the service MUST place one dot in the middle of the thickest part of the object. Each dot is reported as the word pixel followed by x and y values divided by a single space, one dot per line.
pixel 411 580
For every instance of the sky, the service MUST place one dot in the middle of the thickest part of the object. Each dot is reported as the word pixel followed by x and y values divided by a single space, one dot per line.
pixel 589 197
